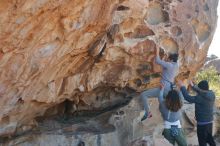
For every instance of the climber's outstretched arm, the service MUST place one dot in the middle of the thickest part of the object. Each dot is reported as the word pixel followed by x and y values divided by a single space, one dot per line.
pixel 187 97
pixel 164 64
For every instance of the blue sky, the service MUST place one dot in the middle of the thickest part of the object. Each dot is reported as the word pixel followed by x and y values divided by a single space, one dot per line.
pixel 215 45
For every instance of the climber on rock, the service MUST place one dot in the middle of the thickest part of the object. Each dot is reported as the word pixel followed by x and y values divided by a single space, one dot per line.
pixel 170 108
pixel 170 70
pixel 204 107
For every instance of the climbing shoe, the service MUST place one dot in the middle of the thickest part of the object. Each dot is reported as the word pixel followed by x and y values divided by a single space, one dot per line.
pixel 149 115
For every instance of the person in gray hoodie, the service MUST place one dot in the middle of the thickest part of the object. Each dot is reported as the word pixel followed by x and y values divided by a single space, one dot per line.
pixel 170 70
pixel 204 106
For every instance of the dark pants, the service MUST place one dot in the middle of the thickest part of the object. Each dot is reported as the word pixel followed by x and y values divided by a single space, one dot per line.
pixel 204 133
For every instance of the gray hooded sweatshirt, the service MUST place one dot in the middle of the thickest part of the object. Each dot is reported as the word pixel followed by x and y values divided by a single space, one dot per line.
pixel 170 71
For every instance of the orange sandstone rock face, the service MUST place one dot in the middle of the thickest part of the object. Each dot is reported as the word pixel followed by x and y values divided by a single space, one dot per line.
pixel 92 53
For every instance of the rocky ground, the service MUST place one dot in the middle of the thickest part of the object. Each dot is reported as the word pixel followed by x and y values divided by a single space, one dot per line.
pixel 119 126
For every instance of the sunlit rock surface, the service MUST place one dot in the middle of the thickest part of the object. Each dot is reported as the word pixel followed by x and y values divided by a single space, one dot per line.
pixel 63 56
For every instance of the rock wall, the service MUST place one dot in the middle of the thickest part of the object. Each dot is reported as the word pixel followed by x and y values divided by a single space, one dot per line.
pixel 91 54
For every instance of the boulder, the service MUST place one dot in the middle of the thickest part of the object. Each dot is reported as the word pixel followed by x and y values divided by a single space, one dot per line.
pixel 61 57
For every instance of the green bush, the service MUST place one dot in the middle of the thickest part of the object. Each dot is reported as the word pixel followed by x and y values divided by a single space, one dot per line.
pixel 212 76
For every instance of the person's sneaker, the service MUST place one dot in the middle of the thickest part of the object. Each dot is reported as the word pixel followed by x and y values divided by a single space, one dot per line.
pixel 144 117
pixel 149 115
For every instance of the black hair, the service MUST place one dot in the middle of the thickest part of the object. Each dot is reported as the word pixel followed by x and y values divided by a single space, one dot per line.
pixel 173 57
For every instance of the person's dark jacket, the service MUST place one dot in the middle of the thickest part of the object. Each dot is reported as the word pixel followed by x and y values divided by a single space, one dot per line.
pixel 204 103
